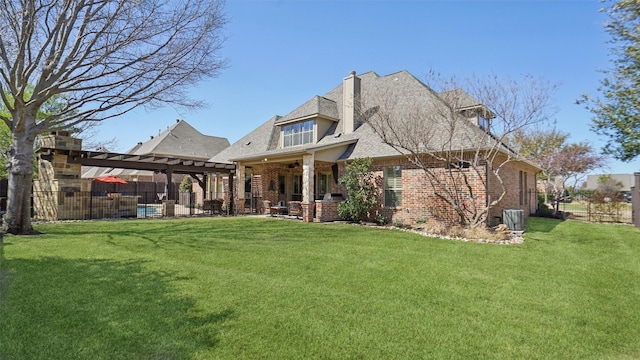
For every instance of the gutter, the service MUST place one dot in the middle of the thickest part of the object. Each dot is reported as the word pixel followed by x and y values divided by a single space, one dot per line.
pixel 293 153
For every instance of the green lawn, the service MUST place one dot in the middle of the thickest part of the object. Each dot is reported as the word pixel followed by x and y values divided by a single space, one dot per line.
pixel 258 288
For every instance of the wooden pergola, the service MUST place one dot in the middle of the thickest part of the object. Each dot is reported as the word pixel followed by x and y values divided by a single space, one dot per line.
pixel 167 165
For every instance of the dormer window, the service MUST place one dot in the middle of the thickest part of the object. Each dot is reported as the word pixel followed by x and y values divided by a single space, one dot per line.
pixel 483 123
pixel 298 133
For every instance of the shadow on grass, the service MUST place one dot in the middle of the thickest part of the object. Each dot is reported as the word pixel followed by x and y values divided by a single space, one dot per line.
pixel 56 308
pixel 164 234
pixel 541 224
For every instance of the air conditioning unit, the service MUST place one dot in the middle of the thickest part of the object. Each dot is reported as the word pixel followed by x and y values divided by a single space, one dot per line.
pixel 513 219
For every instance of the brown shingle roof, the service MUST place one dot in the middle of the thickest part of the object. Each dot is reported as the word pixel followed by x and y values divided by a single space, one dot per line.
pixel 317 106
pixel 182 140
pixel 179 140
pixel 402 88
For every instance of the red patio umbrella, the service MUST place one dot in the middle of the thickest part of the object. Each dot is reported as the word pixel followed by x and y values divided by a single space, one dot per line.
pixel 110 179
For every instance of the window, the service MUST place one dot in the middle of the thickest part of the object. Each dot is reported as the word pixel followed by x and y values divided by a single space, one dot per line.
pixel 522 184
pixel 282 184
pixel 483 123
pixel 247 183
pixel 217 187
pixel 298 134
pixel 392 186
pixel 526 190
pixel 323 185
pixel 297 188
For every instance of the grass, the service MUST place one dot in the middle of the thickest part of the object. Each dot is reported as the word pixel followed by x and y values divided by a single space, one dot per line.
pixel 247 288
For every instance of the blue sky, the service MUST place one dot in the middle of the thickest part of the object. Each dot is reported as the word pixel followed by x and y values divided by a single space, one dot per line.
pixel 282 53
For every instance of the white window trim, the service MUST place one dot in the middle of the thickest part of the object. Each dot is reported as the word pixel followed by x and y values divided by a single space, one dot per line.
pixel 396 188
pixel 311 132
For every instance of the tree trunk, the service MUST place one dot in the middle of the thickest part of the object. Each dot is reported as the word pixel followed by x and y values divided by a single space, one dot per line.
pixel 17 220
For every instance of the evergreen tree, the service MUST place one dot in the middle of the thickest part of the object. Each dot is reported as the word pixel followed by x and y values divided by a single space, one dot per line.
pixel 617 113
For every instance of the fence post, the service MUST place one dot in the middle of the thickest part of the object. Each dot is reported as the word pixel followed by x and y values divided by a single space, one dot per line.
pixel 635 200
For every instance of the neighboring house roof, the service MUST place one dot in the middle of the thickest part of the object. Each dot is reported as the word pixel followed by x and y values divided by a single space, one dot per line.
pixel 401 90
pixel 627 181
pixel 179 140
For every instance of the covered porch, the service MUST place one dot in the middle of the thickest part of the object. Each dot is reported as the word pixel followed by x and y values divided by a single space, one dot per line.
pixel 305 185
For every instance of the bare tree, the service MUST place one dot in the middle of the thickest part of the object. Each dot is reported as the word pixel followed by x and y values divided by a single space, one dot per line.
pixel 107 57
pixel 458 137
pixel 87 131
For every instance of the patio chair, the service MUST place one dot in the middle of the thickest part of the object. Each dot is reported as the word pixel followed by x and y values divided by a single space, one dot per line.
pixel 295 209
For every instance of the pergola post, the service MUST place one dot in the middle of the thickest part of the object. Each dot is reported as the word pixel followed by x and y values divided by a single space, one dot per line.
pixel 231 194
pixel 168 187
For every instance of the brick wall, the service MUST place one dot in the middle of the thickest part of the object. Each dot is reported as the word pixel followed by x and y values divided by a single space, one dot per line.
pixel 521 194
pixel 326 211
pixel 418 197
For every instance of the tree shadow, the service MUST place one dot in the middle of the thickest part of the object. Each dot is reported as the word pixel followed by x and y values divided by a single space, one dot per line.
pixel 541 224
pixel 55 308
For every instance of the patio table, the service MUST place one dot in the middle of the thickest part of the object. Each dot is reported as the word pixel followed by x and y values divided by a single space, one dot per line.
pixel 278 210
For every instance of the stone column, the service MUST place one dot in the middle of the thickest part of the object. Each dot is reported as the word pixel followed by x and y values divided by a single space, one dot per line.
pixel 239 186
pixel 229 194
pixel 59 193
pixel 308 201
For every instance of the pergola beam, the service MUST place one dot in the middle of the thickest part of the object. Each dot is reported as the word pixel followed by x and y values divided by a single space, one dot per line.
pixel 140 162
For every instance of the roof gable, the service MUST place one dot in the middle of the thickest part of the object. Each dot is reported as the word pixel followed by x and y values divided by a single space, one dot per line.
pixel 258 141
pixel 316 106
pixel 181 140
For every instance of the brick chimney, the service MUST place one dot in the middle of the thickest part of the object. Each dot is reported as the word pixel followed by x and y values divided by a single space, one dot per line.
pixel 350 102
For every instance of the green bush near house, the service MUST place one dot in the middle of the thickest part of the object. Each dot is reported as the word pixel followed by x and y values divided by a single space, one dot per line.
pixel 247 288
pixel 361 191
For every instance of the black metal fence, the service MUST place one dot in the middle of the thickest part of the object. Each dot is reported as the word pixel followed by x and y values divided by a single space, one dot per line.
pixel 594 208
pixel 51 206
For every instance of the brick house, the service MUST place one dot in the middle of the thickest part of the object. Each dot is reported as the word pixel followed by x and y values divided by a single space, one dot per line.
pixel 298 158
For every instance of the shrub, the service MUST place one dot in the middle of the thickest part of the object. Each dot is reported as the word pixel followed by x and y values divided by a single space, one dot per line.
pixel 543 209
pixel 361 191
pixel 436 227
pixel 185 185
pixel 481 232
pixel 381 220
pixel 399 224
